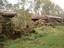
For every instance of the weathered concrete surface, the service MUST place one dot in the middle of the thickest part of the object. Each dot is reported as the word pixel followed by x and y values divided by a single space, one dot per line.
pixel 48 19
pixel 5 21
pixel 7 13
pixel 1 23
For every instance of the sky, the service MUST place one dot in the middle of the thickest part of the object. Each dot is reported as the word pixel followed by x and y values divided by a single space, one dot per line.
pixel 13 1
pixel 58 2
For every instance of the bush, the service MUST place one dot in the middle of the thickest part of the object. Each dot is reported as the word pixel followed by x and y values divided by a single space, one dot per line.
pixel 22 22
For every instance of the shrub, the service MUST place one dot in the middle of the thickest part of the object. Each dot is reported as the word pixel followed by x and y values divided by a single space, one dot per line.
pixel 22 22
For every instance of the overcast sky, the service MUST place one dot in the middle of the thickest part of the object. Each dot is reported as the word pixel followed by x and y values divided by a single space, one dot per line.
pixel 13 1
pixel 58 2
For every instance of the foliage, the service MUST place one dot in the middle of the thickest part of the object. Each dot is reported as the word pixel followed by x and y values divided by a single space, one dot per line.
pixel 49 8
pixel 1 2
pixel 22 20
pixel 52 9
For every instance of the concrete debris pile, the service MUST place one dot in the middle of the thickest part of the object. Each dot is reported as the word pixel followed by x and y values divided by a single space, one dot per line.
pixel 7 13
pixel 47 20
pixel 5 19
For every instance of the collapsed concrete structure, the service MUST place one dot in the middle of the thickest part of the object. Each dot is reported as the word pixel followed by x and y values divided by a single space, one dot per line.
pixel 5 18
pixel 47 19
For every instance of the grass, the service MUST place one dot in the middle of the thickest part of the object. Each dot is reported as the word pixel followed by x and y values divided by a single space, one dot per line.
pixel 47 37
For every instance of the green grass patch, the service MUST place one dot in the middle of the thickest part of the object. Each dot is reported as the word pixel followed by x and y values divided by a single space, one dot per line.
pixel 47 37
